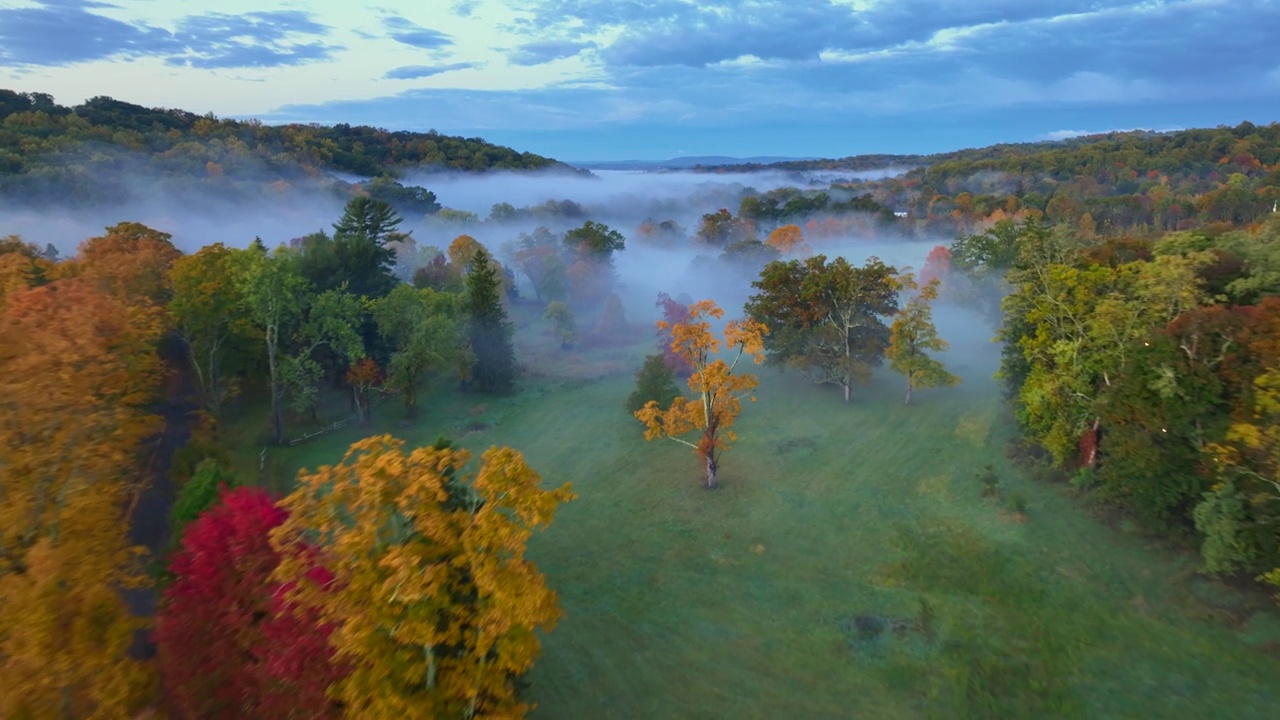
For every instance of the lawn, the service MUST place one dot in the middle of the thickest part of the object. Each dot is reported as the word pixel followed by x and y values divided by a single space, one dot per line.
pixel 848 568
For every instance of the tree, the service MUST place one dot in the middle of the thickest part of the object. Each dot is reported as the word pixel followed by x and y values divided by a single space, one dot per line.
pixel 595 242
pixel 613 319
pixel 462 251
pixel 654 381
pixel 273 291
pixel 562 323
pixel 329 321
pixel 363 377
pixel 674 312
pixel 131 261
pixel 209 316
pixel 78 375
pixel 911 336
pixel 826 318
pixel 369 218
pixel 721 228
pixel 488 330
pixel 433 603
pixel 538 257
pixel 198 494
pixel 718 388
pixel 228 647
pixel 787 239
pixel 424 329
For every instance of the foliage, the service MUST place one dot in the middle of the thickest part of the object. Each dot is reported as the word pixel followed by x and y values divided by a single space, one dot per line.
pixel 199 494
pixel 424 328
pixel 562 323
pixel 654 382
pixel 228 646
pixel 911 336
pixel 209 316
pixel 488 330
pixel 826 318
pixel 613 319
pixel 674 312
pixel 717 388
pixel 78 374
pixel 433 604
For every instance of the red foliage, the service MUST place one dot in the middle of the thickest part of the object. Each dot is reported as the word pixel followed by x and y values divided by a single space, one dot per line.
pixel 229 646
pixel 937 266
pixel 673 312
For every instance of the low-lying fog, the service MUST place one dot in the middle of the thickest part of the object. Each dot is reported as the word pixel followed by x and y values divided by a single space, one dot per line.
pixel 620 199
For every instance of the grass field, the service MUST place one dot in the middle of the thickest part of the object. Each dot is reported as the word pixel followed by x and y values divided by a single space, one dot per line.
pixel 848 568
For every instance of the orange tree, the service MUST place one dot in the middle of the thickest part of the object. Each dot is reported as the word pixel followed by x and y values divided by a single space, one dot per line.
pixel 432 602
pixel 718 389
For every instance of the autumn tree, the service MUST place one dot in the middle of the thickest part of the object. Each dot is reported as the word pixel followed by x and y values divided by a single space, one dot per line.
pixel 674 312
pixel 131 261
pixel 433 604
pixel 537 255
pixel 912 336
pixel 78 374
pixel 424 328
pixel 488 330
pixel 827 319
pixel 229 646
pixel 364 376
pixel 787 239
pixel 717 386
pixel 721 228
pixel 22 265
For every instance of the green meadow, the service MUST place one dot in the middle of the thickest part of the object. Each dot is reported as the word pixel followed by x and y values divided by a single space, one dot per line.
pixel 849 567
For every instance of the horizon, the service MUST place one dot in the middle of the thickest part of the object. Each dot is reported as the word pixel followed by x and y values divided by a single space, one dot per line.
pixel 594 81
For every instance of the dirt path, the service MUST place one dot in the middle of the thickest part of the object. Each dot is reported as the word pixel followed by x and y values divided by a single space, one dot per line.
pixel 149 520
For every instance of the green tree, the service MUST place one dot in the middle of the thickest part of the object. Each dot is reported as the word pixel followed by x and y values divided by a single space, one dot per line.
pixel 654 381
pixel 912 336
pixel 424 329
pixel 369 218
pixel 562 323
pixel 274 292
pixel 488 330
pixel 595 242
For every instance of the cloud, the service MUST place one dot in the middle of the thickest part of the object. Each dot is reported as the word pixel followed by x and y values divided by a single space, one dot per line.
pixel 412 72
pixel 409 33
pixel 465 8
pixel 66 32
pixel 537 53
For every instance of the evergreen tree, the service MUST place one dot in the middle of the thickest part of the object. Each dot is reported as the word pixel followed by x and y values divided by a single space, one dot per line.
pixel 488 328
pixel 654 381
pixel 368 218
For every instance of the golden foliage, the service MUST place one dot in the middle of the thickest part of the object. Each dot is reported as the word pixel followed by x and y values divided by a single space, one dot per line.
pixel 77 370
pixel 717 388
pixel 433 602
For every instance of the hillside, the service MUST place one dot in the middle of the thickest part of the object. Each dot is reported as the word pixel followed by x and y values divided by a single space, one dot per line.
pixel 108 151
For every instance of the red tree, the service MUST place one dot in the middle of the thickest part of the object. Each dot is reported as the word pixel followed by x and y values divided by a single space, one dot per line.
pixel 229 646
pixel 674 313
pixel 936 265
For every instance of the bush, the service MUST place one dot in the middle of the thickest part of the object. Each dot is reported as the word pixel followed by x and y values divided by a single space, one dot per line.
pixel 1018 503
pixel 654 381
pixel 990 482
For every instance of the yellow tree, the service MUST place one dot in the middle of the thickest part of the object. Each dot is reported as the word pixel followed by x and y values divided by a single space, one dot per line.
pixel 717 388
pixel 78 370
pixel 912 336
pixel 433 604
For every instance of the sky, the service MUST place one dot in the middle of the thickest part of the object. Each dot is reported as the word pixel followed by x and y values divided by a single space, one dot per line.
pixel 584 80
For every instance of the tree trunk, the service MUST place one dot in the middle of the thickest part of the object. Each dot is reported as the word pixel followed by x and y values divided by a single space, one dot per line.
pixel 908 402
pixel 711 472
pixel 846 392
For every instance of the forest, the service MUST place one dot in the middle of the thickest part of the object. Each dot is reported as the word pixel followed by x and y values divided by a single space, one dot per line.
pixel 607 457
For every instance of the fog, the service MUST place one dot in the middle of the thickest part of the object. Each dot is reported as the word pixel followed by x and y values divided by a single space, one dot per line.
pixel 620 199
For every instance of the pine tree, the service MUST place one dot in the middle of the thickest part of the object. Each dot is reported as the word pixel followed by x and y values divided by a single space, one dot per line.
pixel 488 328
pixel 654 381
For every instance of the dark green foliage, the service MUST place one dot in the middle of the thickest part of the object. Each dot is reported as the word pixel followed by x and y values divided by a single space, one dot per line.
pixel 52 153
pixel 654 381
pixel 595 242
pixel 411 199
pixel 990 482
pixel 197 495
pixel 488 330
pixel 369 218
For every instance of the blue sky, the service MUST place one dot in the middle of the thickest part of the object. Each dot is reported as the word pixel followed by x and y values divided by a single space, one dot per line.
pixel 652 79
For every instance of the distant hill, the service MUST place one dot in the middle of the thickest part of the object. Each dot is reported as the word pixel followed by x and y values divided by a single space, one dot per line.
pixel 682 163
pixel 109 151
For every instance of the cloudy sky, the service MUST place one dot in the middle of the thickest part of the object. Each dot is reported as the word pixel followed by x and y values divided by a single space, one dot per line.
pixel 653 79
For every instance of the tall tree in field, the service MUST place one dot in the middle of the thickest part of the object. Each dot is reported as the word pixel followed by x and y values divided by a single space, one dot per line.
pixel 717 386
pixel 827 319
pixel 562 324
pixel 787 239
pixel 209 316
pixel 273 291
pixel 78 372
pixel 433 604
pixel 912 337
pixel 221 632
pixel 488 329
pixel 425 331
